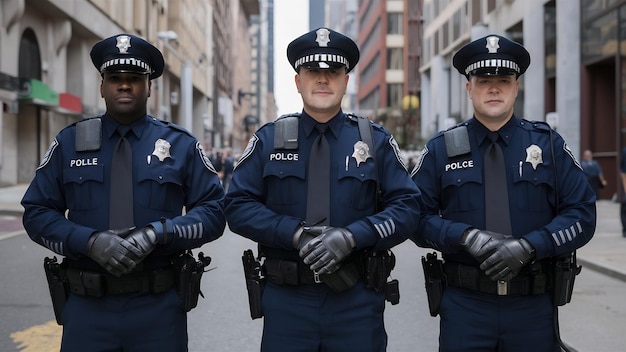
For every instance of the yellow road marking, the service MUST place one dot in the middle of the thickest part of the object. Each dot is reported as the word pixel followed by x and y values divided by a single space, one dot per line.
pixel 39 338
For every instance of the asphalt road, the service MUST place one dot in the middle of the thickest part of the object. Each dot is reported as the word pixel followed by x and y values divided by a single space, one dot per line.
pixel 592 322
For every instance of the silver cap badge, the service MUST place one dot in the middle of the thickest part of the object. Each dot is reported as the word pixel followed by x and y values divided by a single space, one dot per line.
pixel 123 43
pixel 323 36
pixel 493 44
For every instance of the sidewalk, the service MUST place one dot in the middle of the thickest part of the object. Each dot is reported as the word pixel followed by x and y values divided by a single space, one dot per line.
pixel 606 252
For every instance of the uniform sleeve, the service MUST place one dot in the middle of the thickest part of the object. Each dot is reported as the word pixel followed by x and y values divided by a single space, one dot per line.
pixel 433 230
pixel 575 223
pixel 245 206
pixel 45 205
pixel 204 219
pixel 400 204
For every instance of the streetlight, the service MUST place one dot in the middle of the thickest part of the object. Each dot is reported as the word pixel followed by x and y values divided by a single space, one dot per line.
pixel 186 83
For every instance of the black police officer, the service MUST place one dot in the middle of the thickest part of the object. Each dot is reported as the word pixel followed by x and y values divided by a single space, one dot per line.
pixel 498 266
pixel 313 300
pixel 119 248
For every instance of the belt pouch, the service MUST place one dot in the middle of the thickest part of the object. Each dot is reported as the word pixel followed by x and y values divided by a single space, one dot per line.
pixel 343 278
pixel 93 283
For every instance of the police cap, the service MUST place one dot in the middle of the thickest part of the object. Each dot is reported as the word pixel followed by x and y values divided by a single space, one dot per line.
pixel 323 48
pixel 127 53
pixel 492 55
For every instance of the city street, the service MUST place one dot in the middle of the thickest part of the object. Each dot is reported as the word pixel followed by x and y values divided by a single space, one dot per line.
pixel 592 322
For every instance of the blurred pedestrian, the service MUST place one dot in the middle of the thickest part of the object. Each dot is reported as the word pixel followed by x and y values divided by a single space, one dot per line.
pixel 593 171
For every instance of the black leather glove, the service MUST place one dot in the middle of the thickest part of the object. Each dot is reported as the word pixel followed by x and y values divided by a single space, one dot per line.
pixel 480 243
pixel 508 259
pixel 144 239
pixel 324 253
pixel 304 234
pixel 113 253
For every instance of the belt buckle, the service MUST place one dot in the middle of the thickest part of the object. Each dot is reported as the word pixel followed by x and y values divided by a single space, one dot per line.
pixel 316 277
pixel 503 288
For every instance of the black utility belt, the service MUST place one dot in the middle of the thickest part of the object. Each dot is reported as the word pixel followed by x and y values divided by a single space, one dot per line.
pixel 95 284
pixel 289 272
pixel 472 278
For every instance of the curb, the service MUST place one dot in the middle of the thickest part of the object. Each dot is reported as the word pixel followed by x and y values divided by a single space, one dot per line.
pixel 601 268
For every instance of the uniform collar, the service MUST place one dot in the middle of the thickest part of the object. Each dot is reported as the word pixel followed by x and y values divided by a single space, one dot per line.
pixel 109 125
pixel 505 132
pixel 308 123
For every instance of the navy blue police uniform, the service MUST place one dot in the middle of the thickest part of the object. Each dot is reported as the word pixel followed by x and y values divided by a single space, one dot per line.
pixel 67 202
pixel 267 200
pixel 551 206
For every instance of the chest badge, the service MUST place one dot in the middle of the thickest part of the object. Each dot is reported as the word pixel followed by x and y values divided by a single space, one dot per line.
pixel 533 156
pixel 361 152
pixel 161 150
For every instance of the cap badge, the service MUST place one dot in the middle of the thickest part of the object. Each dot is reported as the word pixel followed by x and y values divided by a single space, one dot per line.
pixel 123 43
pixel 161 150
pixel 361 152
pixel 533 156
pixel 492 44
pixel 323 36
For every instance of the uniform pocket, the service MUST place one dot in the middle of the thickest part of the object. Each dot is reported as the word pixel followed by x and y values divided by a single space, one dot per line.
pixel 285 182
pixel 83 186
pixel 160 188
pixel 460 189
pixel 532 188
pixel 357 186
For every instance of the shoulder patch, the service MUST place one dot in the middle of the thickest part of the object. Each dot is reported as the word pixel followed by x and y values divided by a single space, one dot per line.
pixel 249 149
pixel 571 155
pixel 396 150
pixel 205 158
pixel 419 162
pixel 48 155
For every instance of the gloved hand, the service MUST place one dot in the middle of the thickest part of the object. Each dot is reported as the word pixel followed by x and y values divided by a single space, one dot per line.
pixel 480 243
pixel 304 234
pixel 113 253
pixel 508 259
pixel 325 252
pixel 144 239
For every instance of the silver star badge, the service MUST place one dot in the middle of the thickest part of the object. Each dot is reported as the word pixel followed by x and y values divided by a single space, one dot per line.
pixel 323 37
pixel 533 156
pixel 361 152
pixel 123 43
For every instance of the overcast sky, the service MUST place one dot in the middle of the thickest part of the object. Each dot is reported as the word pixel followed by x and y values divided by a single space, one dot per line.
pixel 291 19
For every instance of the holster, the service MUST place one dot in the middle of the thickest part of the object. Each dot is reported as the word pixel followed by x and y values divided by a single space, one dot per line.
pixel 255 283
pixel 565 269
pixel 343 278
pixel 189 274
pixel 57 284
pixel 434 277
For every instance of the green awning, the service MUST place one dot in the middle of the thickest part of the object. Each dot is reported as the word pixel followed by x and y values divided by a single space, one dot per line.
pixel 36 92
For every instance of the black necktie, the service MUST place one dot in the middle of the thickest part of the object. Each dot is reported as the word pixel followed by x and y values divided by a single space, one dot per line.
pixel 497 216
pixel 121 193
pixel 318 196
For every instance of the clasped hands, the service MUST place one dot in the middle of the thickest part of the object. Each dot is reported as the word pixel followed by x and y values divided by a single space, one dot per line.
pixel 501 257
pixel 119 251
pixel 323 247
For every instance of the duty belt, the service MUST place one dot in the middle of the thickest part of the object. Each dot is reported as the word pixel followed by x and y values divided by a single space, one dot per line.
pixel 95 284
pixel 472 278
pixel 289 272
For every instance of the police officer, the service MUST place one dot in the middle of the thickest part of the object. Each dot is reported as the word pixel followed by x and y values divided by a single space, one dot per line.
pixel 316 296
pixel 119 270
pixel 497 267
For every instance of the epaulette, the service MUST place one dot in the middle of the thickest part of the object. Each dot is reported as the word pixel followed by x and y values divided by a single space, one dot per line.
pixel 171 125
pixel 296 114
pixel 464 123
pixel 538 125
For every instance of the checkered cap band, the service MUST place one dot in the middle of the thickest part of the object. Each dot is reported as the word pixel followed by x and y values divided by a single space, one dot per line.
pixel 126 62
pixel 322 58
pixel 493 63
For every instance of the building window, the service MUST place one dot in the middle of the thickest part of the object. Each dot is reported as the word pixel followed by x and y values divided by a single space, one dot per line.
pixel 394 94
pixel 394 59
pixel 394 23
